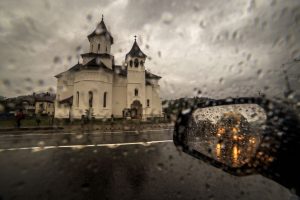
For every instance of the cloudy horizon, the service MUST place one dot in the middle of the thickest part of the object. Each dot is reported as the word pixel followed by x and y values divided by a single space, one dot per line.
pixel 232 48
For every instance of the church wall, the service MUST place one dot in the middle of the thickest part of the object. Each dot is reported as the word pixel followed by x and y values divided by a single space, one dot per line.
pixel 148 109
pixel 136 80
pixel 64 90
pixel 119 99
pixel 65 86
pixel 104 42
pixel 156 106
pixel 97 82
pixel 61 110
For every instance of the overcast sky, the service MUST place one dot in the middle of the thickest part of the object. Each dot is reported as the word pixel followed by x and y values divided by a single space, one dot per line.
pixel 223 48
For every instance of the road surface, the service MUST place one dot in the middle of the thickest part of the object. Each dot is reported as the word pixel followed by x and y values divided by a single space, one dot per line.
pixel 119 165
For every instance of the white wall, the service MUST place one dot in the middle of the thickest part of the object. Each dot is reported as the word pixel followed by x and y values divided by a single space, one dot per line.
pixel 105 45
pixel 119 100
pixel 97 82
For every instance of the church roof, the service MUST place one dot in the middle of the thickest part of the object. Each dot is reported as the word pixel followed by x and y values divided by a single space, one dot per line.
pixel 96 63
pixel 102 55
pixel 136 51
pixel 149 75
pixel 74 68
pixel 101 30
pixel 68 100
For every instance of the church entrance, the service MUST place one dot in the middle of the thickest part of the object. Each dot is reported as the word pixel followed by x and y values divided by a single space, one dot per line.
pixel 136 110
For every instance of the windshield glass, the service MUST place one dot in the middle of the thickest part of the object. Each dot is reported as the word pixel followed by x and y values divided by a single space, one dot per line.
pixel 90 92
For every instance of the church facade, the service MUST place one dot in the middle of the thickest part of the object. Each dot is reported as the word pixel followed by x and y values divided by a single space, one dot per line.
pixel 99 88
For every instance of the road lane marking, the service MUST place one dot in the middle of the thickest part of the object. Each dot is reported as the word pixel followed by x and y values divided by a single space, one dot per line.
pixel 111 145
pixel 92 133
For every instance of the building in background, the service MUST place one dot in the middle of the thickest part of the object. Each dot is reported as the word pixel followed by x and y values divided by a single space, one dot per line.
pixel 36 103
pixel 99 88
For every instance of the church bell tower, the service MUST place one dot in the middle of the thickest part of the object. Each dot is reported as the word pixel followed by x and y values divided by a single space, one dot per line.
pixel 135 61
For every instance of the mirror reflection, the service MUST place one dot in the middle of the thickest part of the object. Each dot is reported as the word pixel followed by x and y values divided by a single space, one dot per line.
pixel 229 133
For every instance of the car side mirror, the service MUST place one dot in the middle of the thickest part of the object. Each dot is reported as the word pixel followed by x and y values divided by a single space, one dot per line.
pixel 241 136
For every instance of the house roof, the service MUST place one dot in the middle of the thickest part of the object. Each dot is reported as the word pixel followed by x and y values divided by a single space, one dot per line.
pixel 135 51
pixel 31 99
pixel 44 97
pixel 101 30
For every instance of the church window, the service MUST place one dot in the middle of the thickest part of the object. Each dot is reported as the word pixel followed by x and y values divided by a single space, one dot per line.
pixel 142 63
pixel 136 92
pixel 98 48
pixel 77 99
pixel 106 49
pixel 90 99
pixel 136 62
pixel 148 102
pixel 130 63
pixel 104 99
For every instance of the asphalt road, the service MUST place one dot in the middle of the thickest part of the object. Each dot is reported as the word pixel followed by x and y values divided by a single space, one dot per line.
pixel 120 165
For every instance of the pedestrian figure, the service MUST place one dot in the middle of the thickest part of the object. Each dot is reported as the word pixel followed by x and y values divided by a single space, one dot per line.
pixel 112 118
pixel 38 120
pixel 82 121
pixel 19 117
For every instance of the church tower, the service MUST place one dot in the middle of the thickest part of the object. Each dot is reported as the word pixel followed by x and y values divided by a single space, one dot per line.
pixel 100 45
pixel 135 60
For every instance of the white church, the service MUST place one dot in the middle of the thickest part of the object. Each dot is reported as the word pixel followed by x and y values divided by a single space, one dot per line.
pixel 99 88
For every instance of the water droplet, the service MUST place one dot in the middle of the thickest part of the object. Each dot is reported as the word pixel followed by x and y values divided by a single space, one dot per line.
pixel 167 18
pixel 160 166
pixel 6 83
pixel 41 82
pixel 51 90
pixel 259 73
pixel 221 80
pixel 41 143
pixel 57 60
pixel 186 111
pixel 89 17
pixel 252 5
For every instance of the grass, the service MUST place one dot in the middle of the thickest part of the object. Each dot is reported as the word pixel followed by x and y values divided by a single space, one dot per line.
pixel 29 121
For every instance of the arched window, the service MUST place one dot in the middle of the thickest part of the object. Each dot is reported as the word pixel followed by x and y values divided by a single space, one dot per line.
pixel 90 99
pixel 136 92
pixel 136 62
pixel 106 49
pixel 104 99
pixel 98 48
pixel 130 63
pixel 148 102
pixel 142 63
pixel 77 99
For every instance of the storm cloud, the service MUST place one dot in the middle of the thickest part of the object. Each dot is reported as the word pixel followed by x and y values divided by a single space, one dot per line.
pixel 222 48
